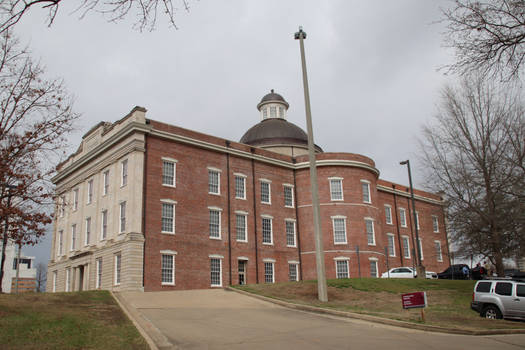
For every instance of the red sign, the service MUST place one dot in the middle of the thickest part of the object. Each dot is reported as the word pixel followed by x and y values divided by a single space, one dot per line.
pixel 414 300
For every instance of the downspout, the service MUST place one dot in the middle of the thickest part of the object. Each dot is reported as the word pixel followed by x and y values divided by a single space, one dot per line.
pixel 401 250
pixel 229 212
pixel 252 149
pixel 144 196
pixel 297 224
pixel 414 247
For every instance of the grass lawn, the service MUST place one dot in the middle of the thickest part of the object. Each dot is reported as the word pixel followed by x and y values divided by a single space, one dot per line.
pixel 79 320
pixel 448 301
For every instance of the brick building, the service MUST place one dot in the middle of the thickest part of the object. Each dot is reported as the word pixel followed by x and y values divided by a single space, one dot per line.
pixel 143 205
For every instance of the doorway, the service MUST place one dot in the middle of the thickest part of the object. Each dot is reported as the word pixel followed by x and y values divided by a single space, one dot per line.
pixel 242 271
pixel 81 278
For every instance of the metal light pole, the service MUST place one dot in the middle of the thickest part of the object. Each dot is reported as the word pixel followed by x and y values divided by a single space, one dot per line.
pixel 319 252
pixel 419 268
pixel 5 235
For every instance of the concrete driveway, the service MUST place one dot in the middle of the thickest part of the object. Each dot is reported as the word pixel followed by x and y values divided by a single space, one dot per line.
pixel 219 319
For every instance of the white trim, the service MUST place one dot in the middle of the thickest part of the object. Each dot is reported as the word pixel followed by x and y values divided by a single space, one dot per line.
pixel 437 222
pixel 405 216
pixel 119 255
pixel 338 217
pixel 261 181
pixel 293 195
pixel 393 245
pixel 369 201
pixel 265 180
pixel 390 211
pixel 214 169
pixel 243 258
pixel 293 262
pixel 168 252
pixel 220 273
pixel 240 174
pixel 403 246
pixel 266 216
pixel 269 260
pixel 241 212
pixel 169 201
pixel 339 258
pixel 373 259
pixel 407 194
pixel 335 178
pixel 294 222
pixel 215 256
pixel 342 189
pixel 289 185
pixel 215 208
pixel 440 257
pixel 168 159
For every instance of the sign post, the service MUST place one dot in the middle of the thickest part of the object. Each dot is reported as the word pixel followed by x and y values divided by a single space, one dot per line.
pixel 415 300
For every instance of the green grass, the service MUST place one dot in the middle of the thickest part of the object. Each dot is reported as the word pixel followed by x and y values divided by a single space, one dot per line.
pixel 448 301
pixel 80 320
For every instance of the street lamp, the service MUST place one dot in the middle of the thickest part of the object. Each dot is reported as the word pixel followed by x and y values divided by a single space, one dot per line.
pixel 319 252
pixel 419 268
pixel 5 235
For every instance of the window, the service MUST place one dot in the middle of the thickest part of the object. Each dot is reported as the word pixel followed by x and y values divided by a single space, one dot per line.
pixel 403 217
pixel 214 180
pixel 369 223
pixel 439 256
pixel 265 113
pixel 240 186
pixel 373 268
pixel 215 223
pixel 435 223
pixel 168 172
pixel 68 279
pixel 215 272
pixel 365 185
pixel 520 290
pixel 503 288
pixel 122 226
pixel 341 268
pixel 75 199
pixel 267 234
pixel 391 245
pixel 88 231
pixel 104 231
pixel 98 282
pixel 265 192
pixel 288 196
pixel 62 206
pixel 60 242
pixel 336 189
pixel 406 247
pixel 105 189
pixel 290 232
pixel 124 173
pixel 417 220
pixel 168 218
pixel 167 269
pixel 55 281
pixel 73 236
pixel 118 263
pixel 90 191
pixel 292 272
pixel 273 112
pixel 483 287
pixel 281 112
pixel 420 249
pixel 388 214
pixel 339 227
pixel 268 272
pixel 240 226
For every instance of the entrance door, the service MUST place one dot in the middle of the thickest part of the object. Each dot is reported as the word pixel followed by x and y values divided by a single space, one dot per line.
pixel 242 271
pixel 81 277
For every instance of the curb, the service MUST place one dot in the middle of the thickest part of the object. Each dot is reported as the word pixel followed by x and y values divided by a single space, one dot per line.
pixel 376 319
pixel 150 333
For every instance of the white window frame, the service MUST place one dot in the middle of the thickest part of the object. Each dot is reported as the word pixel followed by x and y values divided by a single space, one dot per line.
pixel 405 239
pixel 218 173
pixel 172 254
pixel 87 237
pixel 55 273
pixel 417 220
pixel 73 237
pixel 391 236
pixel 104 225
pixel 346 260
pixel 268 217
pixel 245 228
pixel 98 273
pixel 172 203
pixel 367 184
pixel 295 265
pixel 122 217
pixel 118 269
pixel 90 189
pixel 174 179
pixel 75 199
pixel 219 258
pixel 388 218
pixel 439 254
pixel 435 223
pixel 60 243
pixel 331 181
pixel 402 217
pixel 124 170
pixel 339 217
pixel 219 211
pixel 294 233
pixel 422 257
pixel 375 262
pixel 105 182
pixel 291 187
pixel 269 183
pixel 68 280
pixel 240 178
pixel 368 219
pixel 270 262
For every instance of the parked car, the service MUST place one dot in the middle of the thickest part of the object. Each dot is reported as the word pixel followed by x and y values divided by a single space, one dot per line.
pixel 405 272
pixel 454 272
pixel 499 298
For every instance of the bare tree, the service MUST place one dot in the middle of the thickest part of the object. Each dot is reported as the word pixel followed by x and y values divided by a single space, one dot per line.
pixel 145 11
pixel 471 153
pixel 41 277
pixel 488 36
pixel 35 116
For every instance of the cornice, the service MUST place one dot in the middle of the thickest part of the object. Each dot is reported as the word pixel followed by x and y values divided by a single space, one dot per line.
pixel 339 162
pixel 406 194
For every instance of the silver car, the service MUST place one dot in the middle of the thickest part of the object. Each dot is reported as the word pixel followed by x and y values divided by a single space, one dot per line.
pixel 499 298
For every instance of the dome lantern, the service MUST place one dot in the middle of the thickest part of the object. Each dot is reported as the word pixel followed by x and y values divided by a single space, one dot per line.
pixel 273 105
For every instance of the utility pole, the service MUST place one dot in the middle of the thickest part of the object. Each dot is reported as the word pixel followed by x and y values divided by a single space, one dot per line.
pixel 319 251
pixel 419 267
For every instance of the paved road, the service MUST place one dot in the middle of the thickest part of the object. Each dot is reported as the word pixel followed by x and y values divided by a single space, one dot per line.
pixel 219 319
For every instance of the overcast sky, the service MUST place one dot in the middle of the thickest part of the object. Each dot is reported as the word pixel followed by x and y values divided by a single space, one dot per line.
pixel 372 68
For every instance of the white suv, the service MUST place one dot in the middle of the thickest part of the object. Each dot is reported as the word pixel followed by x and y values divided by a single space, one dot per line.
pixel 499 298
